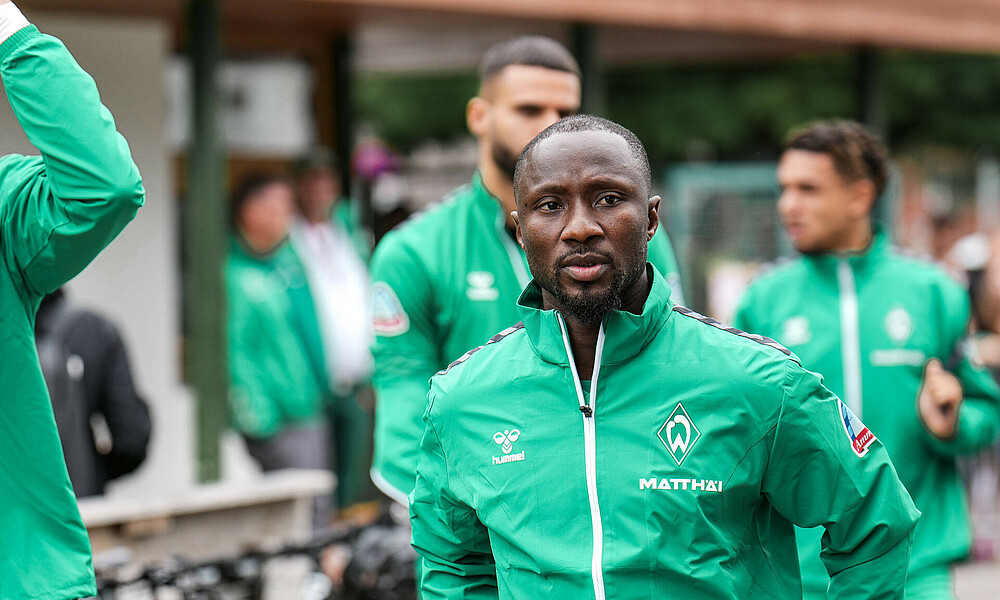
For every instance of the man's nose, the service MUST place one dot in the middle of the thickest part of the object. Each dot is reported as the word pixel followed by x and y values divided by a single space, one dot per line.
pixel 581 225
pixel 550 116
pixel 786 202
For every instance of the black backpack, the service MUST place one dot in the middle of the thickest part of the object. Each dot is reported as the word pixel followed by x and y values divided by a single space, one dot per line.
pixel 64 378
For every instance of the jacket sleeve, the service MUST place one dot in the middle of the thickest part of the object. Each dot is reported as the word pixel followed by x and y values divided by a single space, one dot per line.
pixel 125 412
pixel 252 408
pixel 816 477
pixel 979 414
pixel 64 207
pixel 661 254
pixel 406 354
pixel 454 546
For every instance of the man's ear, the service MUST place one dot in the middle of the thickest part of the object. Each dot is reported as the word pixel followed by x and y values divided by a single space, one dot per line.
pixel 654 217
pixel 476 113
pixel 862 198
pixel 517 228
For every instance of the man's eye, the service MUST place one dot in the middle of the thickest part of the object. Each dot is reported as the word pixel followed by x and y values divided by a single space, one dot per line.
pixel 529 111
pixel 609 199
pixel 548 206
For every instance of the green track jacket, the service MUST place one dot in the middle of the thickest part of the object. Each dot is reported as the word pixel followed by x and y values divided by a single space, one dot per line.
pixel 443 283
pixel 869 322
pixel 678 477
pixel 277 370
pixel 57 212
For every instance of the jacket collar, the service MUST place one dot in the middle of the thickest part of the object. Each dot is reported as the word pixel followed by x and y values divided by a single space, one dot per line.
pixel 860 260
pixel 625 334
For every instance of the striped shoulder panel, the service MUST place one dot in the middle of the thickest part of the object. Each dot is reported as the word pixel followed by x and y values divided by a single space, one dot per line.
pixel 766 341
pixel 493 340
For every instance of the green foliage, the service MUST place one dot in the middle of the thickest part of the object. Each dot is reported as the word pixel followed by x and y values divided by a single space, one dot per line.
pixel 730 111
pixel 406 110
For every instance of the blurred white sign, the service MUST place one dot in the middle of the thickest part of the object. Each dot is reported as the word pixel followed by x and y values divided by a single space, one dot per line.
pixel 265 106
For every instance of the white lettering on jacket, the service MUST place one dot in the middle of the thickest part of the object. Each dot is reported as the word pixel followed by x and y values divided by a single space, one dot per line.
pixel 681 484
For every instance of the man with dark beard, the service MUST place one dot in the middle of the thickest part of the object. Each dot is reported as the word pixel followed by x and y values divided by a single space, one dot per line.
pixel 448 279
pixel 684 480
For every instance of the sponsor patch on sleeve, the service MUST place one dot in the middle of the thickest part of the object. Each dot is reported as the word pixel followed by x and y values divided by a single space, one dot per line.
pixel 861 437
pixel 390 318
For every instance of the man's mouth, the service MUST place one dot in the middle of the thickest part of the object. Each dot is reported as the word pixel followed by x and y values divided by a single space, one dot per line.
pixel 585 267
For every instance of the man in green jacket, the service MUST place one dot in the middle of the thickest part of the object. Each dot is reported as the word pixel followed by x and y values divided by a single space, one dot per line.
pixel 616 445
pixel 57 212
pixel 885 330
pixel 448 279
pixel 278 380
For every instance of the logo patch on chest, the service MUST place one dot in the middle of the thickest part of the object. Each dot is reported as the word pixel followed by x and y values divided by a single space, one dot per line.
pixel 481 286
pixel 678 434
pixel 505 439
pixel 898 325
pixel 795 331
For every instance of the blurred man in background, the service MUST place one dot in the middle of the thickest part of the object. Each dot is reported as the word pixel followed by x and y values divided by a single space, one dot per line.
pixel 278 380
pixel 327 238
pixel 448 279
pixel 886 332
pixel 103 423
pixel 57 212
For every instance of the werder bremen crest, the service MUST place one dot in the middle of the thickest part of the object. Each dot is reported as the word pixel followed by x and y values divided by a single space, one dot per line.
pixel 679 434
pixel 898 325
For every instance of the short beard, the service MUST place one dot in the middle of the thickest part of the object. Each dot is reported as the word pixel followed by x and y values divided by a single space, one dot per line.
pixel 591 307
pixel 503 158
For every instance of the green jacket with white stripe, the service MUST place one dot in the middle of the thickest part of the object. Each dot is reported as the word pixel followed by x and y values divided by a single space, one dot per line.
pixel 678 474
pixel 443 283
pixel 868 322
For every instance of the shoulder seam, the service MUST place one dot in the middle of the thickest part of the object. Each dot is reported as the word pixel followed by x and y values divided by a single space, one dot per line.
pixel 760 339
pixel 496 338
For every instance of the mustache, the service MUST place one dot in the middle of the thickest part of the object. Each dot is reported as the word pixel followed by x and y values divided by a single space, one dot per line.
pixel 583 251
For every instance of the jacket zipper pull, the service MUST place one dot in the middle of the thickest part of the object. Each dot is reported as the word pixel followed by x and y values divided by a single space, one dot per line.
pixel 587 411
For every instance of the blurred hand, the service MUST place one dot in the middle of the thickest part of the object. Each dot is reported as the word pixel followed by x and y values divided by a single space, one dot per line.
pixel 939 400
pixel 988 350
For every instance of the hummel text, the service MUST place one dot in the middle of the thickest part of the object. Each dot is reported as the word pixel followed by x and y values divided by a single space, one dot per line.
pixel 499 460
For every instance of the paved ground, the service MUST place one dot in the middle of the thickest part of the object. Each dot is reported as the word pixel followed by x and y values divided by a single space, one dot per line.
pixel 978 581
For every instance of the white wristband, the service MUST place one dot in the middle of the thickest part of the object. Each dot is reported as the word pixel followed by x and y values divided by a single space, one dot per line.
pixel 11 21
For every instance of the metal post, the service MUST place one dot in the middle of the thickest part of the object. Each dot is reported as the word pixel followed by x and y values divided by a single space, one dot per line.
pixel 585 49
pixel 205 223
pixel 871 99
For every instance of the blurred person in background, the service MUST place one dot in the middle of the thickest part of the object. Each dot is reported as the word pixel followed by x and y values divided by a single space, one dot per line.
pixel 103 423
pixel 886 331
pixel 57 212
pixel 327 238
pixel 449 278
pixel 278 382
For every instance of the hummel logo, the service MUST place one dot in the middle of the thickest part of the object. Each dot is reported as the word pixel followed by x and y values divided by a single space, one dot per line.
pixel 506 439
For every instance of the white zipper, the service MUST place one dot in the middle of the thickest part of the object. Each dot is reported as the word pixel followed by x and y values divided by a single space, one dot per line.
pixel 513 252
pixel 850 339
pixel 590 453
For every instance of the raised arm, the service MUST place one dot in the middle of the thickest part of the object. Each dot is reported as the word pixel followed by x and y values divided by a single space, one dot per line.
pixel 59 210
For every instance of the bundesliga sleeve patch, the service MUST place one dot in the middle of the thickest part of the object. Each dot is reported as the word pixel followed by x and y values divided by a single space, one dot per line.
pixel 860 436
pixel 390 318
